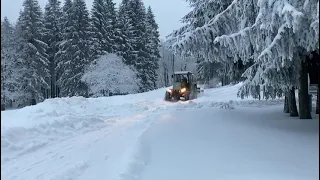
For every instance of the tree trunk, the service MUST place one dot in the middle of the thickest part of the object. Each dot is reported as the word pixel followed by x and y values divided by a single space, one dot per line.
pixel 3 107
pixel 304 109
pixel 165 78
pixel 33 101
pixel 258 92
pixel 318 100
pixel 292 103
pixel 286 103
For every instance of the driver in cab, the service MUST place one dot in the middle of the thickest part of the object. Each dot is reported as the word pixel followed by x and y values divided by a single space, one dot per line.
pixel 184 83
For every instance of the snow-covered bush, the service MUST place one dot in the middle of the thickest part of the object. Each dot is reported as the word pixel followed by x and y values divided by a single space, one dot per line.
pixel 108 74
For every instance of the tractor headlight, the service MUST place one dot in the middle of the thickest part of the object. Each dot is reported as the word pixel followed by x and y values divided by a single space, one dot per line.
pixel 183 90
pixel 169 90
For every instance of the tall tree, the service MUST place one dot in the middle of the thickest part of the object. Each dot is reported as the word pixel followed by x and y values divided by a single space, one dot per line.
pixel 103 19
pixel 202 12
pixel 140 56
pixel 33 51
pixel 62 54
pixel 74 53
pixel 124 46
pixel 153 44
pixel 53 37
pixel 11 68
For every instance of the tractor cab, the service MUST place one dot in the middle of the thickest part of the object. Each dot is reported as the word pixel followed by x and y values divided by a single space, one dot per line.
pixel 182 79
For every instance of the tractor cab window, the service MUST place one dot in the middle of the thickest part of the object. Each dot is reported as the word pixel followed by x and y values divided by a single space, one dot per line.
pixel 177 78
pixel 182 78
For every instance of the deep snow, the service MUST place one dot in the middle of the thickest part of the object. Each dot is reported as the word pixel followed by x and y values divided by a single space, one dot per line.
pixel 217 136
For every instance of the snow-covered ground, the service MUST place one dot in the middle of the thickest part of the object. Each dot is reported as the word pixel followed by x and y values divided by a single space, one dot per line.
pixel 217 136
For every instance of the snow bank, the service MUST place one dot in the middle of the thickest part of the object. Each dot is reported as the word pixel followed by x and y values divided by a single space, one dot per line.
pixel 33 127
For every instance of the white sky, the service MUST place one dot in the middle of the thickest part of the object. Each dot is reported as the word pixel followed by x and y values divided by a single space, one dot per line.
pixel 168 12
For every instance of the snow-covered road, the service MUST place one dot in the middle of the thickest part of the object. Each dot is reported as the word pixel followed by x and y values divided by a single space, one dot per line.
pixel 243 145
pixel 217 136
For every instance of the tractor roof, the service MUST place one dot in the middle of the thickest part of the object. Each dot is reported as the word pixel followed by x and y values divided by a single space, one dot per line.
pixel 183 72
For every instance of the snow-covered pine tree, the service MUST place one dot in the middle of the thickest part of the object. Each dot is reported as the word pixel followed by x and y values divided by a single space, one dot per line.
pixel 33 52
pixel 11 89
pixel 153 44
pixel 98 28
pixel 284 33
pixel 138 39
pixel 103 20
pixel 276 34
pixel 53 37
pixel 123 42
pixel 74 52
pixel 66 11
pixel 61 55
pixel 203 11
pixel 111 27
pixel 7 51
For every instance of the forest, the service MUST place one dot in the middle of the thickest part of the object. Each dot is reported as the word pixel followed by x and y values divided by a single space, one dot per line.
pixel 55 53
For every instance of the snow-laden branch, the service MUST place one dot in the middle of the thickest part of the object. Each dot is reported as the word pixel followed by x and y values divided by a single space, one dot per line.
pixel 268 49
pixel 190 36
pixel 315 24
pixel 218 16
pixel 291 16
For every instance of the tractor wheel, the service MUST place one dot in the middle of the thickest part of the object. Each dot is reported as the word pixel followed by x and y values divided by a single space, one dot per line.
pixel 167 96
pixel 195 94
pixel 187 97
pixel 176 97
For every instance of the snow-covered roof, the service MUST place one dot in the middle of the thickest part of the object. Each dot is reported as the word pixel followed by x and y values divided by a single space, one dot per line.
pixel 182 72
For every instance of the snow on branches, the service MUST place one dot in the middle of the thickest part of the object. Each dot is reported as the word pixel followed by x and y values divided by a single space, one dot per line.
pixel 272 33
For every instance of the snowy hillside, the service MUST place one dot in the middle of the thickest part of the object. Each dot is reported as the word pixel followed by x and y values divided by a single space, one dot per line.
pixel 217 136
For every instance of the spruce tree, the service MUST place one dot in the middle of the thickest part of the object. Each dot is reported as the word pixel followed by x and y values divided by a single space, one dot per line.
pixel 10 65
pixel 153 44
pixel 111 27
pixel 138 40
pixel 53 37
pixel 103 19
pixel 98 28
pixel 33 51
pixel 123 42
pixel 62 54
pixel 74 52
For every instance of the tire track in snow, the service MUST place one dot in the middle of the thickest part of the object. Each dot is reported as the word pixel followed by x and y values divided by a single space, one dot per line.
pixel 139 152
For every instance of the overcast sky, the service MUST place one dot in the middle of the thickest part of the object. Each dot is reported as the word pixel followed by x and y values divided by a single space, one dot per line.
pixel 168 12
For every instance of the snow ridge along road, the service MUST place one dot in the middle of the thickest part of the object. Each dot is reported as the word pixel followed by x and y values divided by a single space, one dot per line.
pixel 141 137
